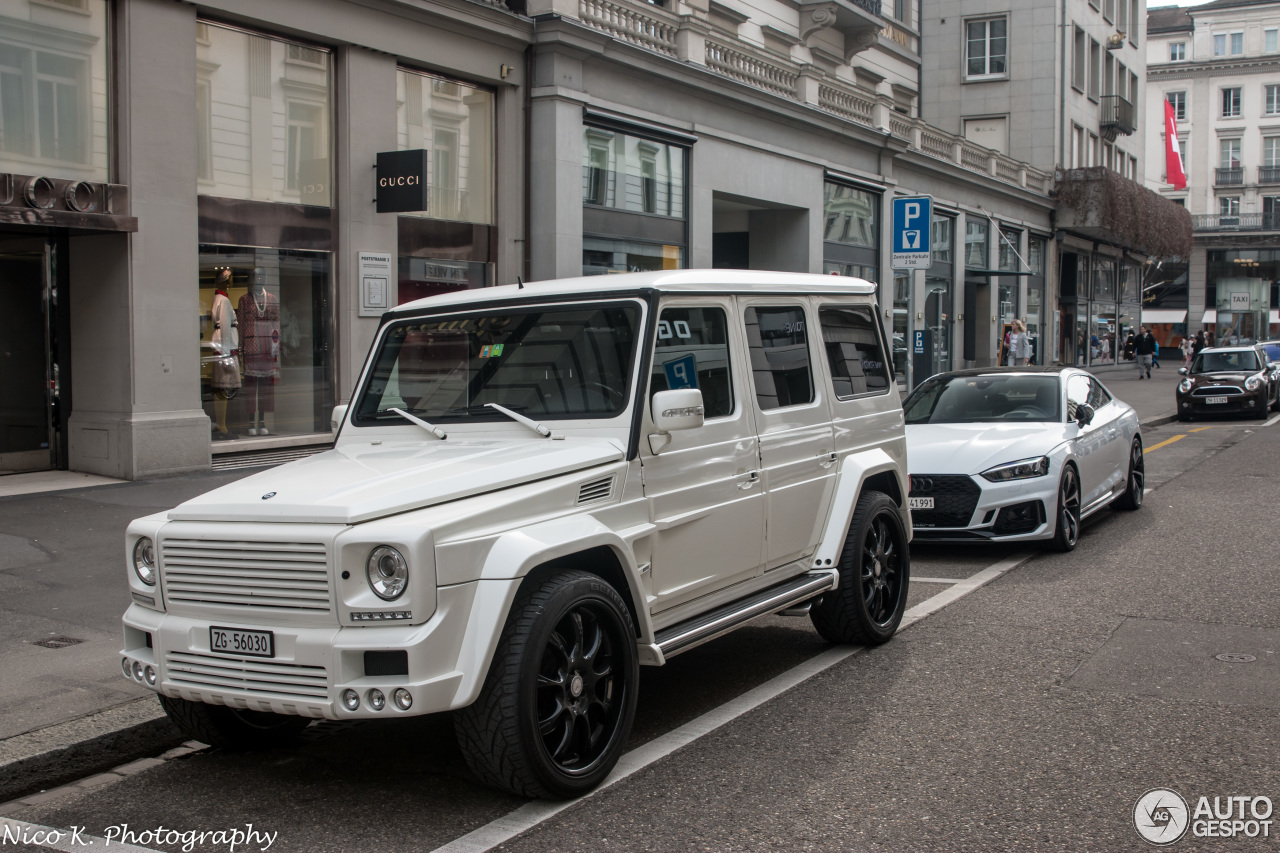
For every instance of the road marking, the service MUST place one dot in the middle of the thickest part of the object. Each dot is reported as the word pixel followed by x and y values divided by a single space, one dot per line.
pixel 1272 420
pixel 915 579
pixel 51 838
pixel 1164 443
pixel 533 813
pixel 1214 426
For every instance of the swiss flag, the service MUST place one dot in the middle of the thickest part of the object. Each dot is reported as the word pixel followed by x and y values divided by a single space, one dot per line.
pixel 1175 174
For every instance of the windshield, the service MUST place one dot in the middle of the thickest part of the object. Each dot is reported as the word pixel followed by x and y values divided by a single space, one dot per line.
pixel 546 361
pixel 972 399
pixel 1231 362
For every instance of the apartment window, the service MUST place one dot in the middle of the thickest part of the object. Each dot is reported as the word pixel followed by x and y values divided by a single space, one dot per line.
pixel 1228 44
pixel 1122 19
pixel 1095 68
pixel 1094 157
pixel 1178 100
pixel 1133 16
pixel 900 11
pixel 1178 51
pixel 1231 102
pixel 1109 9
pixel 1272 101
pixel 1271 151
pixel 1133 168
pixel 1122 76
pixel 986 47
pixel 1229 205
pixel 1080 63
pixel 1229 154
pixel 1109 76
pixel 1107 155
pixel 1271 40
pixel 1133 89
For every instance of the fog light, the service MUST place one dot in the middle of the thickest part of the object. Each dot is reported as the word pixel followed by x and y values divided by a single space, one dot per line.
pixel 377 701
pixel 137 671
pixel 124 665
pixel 350 700
pixel 403 699
pixel 150 675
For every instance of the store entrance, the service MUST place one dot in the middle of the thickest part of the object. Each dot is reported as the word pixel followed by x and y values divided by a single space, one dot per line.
pixel 28 379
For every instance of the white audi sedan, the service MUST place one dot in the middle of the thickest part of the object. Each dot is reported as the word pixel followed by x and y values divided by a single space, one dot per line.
pixel 1018 454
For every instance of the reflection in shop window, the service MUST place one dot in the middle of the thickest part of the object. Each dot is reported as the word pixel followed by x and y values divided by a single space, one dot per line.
pixel 54 95
pixel 975 243
pixel 627 172
pixel 850 215
pixel 603 257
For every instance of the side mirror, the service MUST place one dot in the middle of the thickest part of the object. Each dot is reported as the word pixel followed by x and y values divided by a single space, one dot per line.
pixel 337 417
pixel 1084 414
pixel 1182 371
pixel 673 411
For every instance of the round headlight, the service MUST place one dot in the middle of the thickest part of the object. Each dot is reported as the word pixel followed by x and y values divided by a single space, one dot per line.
pixel 144 560
pixel 1185 386
pixel 403 698
pixel 377 699
pixel 1253 382
pixel 350 699
pixel 388 573
pixel 150 675
pixel 137 671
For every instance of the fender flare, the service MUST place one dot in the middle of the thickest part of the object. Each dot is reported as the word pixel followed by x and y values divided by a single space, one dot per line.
pixel 513 556
pixel 854 471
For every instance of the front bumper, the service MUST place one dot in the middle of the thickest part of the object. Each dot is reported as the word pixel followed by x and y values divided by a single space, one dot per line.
pixel 1254 402
pixel 1016 511
pixel 312 666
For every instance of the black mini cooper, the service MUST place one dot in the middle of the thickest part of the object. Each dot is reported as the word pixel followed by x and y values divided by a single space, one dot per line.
pixel 1238 380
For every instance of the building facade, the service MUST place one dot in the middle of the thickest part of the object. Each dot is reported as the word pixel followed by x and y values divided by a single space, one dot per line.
pixel 190 235
pixel 1218 65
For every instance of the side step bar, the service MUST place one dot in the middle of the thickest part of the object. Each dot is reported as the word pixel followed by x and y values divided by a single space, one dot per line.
pixel 685 635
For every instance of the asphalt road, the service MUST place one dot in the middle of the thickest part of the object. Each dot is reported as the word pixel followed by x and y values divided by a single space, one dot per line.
pixel 1030 714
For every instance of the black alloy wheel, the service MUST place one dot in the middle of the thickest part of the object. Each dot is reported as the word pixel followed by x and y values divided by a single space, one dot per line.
pixel 1068 532
pixel 881 571
pixel 1136 483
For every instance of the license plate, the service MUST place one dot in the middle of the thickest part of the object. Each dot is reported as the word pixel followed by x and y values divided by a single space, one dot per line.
pixel 920 503
pixel 236 641
pixel 1212 400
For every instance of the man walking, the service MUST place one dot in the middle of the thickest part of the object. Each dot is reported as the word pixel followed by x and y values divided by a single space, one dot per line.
pixel 1145 347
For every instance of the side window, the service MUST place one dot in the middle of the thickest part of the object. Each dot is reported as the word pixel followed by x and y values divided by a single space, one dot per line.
pixel 1078 390
pixel 692 351
pixel 854 352
pixel 1098 396
pixel 779 348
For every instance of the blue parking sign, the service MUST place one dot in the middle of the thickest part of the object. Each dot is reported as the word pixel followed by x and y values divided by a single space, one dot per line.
pixel 682 372
pixel 912 217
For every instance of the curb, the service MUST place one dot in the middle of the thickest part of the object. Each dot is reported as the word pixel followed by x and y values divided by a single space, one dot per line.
pixel 1159 420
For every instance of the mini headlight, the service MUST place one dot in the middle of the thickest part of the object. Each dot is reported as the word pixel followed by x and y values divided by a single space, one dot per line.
pixel 1021 470
pixel 403 698
pixel 150 675
pixel 388 573
pixel 144 560
pixel 350 699
pixel 1253 382
pixel 1185 386
pixel 377 699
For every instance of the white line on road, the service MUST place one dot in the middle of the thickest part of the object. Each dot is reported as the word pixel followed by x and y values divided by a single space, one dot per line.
pixel 531 814
pixel 1272 420
pixel 915 579
pixel 18 832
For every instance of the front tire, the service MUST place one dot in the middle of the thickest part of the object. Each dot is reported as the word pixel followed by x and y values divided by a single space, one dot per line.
pixel 1068 520
pixel 1136 483
pixel 233 729
pixel 557 704
pixel 875 574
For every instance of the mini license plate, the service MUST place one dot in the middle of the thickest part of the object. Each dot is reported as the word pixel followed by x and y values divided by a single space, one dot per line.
pixel 1212 400
pixel 920 503
pixel 236 641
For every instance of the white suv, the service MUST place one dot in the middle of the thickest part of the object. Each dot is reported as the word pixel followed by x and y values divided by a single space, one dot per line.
pixel 536 490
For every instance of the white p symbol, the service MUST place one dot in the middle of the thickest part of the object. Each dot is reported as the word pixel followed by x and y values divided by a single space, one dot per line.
pixel 910 211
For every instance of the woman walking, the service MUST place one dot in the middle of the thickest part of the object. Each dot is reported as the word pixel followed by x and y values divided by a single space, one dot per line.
pixel 1019 344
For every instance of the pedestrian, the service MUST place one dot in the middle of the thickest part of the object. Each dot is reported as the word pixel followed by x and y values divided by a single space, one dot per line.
pixel 1155 353
pixel 1145 346
pixel 1210 338
pixel 1019 345
pixel 1188 350
pixel 1199 343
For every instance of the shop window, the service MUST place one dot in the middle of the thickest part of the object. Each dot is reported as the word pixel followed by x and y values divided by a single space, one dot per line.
pixel 454 121
pixel 204 132
pixel 602 256
pixel 633 174
pixel 940 239
pixel 270 109
pixel 854 352
pixel 692 351
pixel 851 215
pixel 975 243
pixel 779 346
pixel 901 323
pixel 54 99
pixel 1009 241
pixel 265 341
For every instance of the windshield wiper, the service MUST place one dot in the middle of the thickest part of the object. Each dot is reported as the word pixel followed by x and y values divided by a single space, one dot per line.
pixel 431 428
pixel 521 419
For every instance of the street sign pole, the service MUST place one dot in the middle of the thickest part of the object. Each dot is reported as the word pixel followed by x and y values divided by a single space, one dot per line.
pixel 912 220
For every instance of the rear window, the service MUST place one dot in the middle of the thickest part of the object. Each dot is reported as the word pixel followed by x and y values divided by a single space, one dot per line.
pixel 854 352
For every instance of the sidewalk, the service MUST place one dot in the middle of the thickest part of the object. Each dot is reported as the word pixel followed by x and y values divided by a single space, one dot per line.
pixel 1153 399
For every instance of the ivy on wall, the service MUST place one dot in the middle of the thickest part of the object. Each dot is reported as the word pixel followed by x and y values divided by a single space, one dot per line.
pixel 1100 200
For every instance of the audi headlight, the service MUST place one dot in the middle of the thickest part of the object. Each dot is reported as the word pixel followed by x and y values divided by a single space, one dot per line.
pixel 1253 382
pixel 1024 469
pixel 144 560
pixel 388 573
pixel 1185 386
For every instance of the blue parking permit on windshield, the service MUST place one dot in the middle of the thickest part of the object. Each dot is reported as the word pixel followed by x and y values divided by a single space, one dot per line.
pixel 682 372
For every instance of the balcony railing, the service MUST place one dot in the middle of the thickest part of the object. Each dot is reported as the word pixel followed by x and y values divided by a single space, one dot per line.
pixel 1118 116
pixel 1236 222
pixel 872 6
pixel 1269 174
pixel 1228 177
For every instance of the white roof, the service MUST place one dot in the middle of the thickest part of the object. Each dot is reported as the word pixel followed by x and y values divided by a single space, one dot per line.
pixel 675 281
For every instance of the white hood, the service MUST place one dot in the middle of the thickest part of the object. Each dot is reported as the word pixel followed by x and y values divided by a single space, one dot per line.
pixel 973 448
pixel 359 482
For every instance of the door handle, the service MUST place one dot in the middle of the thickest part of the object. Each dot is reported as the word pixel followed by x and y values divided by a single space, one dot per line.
pixel 753 477
pixel 828 459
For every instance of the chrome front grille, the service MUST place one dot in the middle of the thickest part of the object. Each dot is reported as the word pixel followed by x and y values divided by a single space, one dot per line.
pixel 1217 391
pixel 246 675
pixel 276 576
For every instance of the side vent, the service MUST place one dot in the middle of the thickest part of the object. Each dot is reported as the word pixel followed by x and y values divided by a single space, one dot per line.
pixel 596 490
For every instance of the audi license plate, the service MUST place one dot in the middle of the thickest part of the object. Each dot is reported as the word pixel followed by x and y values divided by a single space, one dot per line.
pixel 920 503
pixel 1212 400
pixel 236 641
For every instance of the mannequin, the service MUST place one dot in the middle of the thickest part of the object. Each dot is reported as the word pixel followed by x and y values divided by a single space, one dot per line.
pixel 259 315
pixel 226 345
